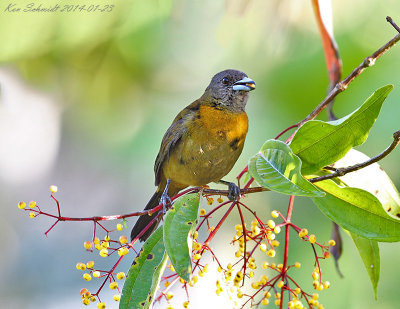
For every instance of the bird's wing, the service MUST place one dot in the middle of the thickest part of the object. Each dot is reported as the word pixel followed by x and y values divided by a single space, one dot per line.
pixel 173 136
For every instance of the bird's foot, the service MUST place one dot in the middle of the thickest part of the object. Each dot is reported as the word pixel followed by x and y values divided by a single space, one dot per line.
pixel 165 199
pixel 234 190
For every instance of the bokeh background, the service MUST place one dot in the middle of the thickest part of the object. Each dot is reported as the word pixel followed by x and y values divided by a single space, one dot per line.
pixel 86 98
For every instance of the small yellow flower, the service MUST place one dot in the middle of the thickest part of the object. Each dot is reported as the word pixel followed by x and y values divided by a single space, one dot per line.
pixel 123 239
pixel 210 201
pixel 312 238
pixel 303 233
pixel 271 253
pixel 169 295
pixel 87 277
pixel 21 205
pixel 123 251
pixel 87 245
pixel 297 265
pixel 86 301
pixel 280 284
pixel 96 240
pixel 277 229
pixel 275 243
pixel 119 227
pixel 263 280
pixel 120 275
pixel 32 215
pixel 332 243
pixel 220 200
pixel 263 247
pixel 202 212
pixel 186 304
pixel 101 305
pixel 32 204
pixel 117 297
pixel 195 235
pixel 274 214
pixel 113 285
pixel 104 252
pixel 53 189
pixel 197 246
pixel 90 264
pixel 197 256
pixel 107 238
pixel 96 274
pixel 271 224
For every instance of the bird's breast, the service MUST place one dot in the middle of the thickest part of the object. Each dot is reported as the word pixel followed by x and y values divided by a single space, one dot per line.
pixel 210 148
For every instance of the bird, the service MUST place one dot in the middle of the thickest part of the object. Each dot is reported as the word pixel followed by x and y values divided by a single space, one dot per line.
pixel 202 144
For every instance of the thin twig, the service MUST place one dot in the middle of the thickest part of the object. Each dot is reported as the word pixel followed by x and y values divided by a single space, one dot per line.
pixel 345 170
pixel 341 86
pixel 390 20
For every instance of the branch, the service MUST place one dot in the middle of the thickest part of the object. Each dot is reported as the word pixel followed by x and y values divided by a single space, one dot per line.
pixel 345 170
pixel 342 86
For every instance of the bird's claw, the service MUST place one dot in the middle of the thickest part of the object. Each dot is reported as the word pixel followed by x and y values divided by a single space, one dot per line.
pixel 165 199
pixel 234 191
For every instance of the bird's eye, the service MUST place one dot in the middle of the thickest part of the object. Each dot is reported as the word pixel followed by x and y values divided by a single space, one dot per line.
pixel 225 80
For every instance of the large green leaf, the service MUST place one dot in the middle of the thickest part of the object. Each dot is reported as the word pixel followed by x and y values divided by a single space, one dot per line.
pixel 179 224
pixel 357 211
pixel 320 143
pixel 372 179
pixel 276 167
pixel 145 274
pixel 369 252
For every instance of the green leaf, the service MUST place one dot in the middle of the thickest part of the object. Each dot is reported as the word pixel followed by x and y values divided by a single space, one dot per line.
pixel 145 274
pixel 276 167
pixel 357 211
pixel 179 225
pixel 320 143
pixel 369 252
pixel 372 179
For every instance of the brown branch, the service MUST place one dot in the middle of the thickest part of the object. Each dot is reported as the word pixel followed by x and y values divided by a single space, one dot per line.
pixel 345 170
pixel 342 86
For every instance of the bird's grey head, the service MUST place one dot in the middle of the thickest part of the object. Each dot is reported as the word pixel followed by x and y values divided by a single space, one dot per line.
pixel 230 89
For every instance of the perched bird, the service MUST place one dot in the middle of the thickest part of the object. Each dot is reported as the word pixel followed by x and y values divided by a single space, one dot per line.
pixel 202 144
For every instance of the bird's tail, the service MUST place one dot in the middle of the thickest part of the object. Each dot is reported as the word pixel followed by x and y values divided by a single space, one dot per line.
pixel 144 220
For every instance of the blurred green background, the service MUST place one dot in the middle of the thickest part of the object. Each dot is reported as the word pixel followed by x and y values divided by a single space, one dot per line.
pixel 86 98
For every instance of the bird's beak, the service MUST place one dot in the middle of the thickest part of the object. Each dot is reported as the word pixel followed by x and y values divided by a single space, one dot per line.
pixel 245 84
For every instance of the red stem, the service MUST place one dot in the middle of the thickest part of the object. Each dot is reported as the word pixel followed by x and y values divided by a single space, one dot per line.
pixel 287 129
pixel 245 240
pixel 219 224
pixel 286 252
